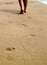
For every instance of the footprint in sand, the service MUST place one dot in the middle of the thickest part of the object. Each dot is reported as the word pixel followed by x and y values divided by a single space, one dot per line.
pixel 10 49
pixel 9 21
pixel 41 29
pixel 9 58
pixel 8 16
pixel 33 35
pixel 29 17
pixel 24 25
pixel 9 3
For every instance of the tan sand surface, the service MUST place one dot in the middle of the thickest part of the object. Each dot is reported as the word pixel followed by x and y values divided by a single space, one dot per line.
pixel 23 38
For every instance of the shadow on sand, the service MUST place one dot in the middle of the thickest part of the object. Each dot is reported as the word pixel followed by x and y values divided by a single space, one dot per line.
pixel 10 11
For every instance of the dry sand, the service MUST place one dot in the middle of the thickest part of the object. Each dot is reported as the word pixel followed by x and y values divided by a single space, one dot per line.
pixel 23 38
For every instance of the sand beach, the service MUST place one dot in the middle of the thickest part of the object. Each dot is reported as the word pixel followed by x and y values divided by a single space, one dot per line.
pixel 23 38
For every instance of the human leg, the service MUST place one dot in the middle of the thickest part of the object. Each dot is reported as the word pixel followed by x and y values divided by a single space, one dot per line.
pixel 25 5
pixel 20 3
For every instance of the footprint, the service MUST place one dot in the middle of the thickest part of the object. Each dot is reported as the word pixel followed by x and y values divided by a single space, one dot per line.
pixel 9 3
pixel 8 15
pixel 24 25
pixel 41 29
pixel 33 35
pixel 9 58
pixel 10 49
pixel 29 17
pixel 9 21
pixel 13 48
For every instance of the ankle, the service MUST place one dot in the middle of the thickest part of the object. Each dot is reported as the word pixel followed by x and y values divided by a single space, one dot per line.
pixel 21 12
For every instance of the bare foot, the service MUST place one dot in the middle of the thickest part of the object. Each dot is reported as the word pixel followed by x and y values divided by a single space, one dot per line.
pixel 25 11
pixel 21 12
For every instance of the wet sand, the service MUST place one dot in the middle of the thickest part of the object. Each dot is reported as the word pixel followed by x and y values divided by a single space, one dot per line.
pixel 23 38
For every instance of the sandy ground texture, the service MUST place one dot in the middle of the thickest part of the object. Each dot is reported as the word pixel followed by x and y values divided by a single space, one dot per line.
pixel 23 38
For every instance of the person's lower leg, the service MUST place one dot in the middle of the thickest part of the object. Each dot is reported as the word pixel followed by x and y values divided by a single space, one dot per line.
pixel 25 5
pixel 20 3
